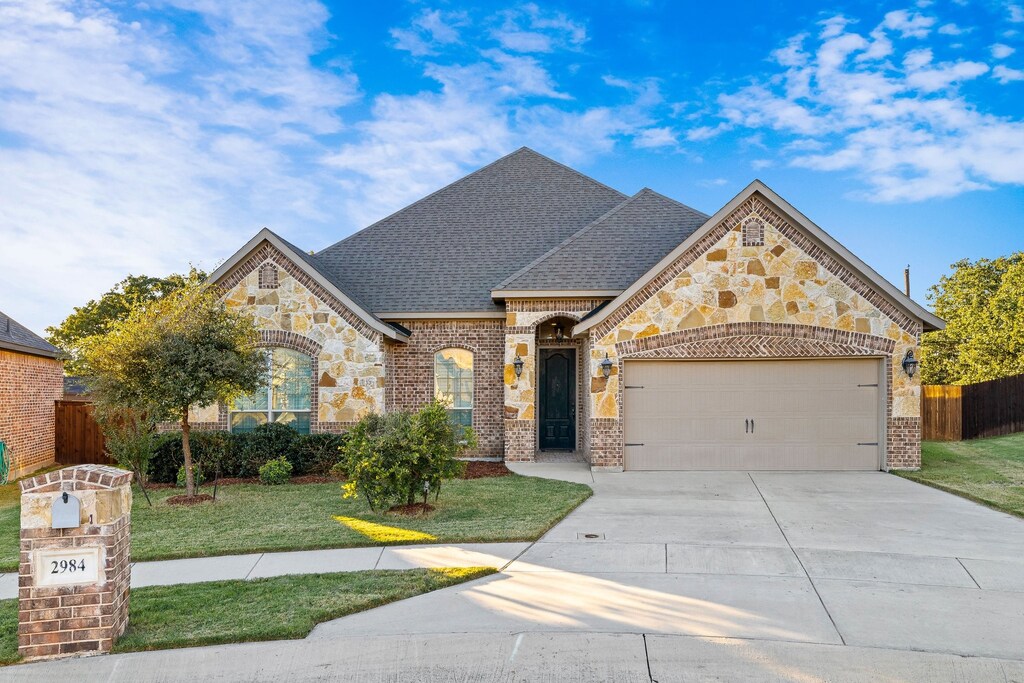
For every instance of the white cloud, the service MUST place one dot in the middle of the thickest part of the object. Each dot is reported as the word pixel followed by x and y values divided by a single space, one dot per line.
pixel 532 29
pixel 1016 13
pixel 1001 51
pixel 655 137
pixel 909 25
pixel 905 131
pixel 1007 75
pixel 429 31
pixel 758 164
pixel 952 30
pixel 125 149
pixel 713 182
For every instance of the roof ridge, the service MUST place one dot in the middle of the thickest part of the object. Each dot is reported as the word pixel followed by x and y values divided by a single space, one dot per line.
pixel 674 201
pixel 567 241
pixel 462 179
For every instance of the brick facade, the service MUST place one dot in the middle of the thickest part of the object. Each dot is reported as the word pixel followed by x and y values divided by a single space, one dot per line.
pixel 29 387
pixel 72 619
pixel 410 372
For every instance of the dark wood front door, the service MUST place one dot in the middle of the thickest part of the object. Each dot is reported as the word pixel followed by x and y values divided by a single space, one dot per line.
pixel 558 399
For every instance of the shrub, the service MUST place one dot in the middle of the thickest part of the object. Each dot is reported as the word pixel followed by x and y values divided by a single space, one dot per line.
pixel 316 453
pixel 394 458
pixel 209 449
pixel 251 450
pixel 197 475
pixel 242 454
pixel 276 471
pixel 130 440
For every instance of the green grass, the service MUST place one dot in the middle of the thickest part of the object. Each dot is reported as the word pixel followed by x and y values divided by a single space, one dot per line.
pixel 251 518
pixel 190 615
pixel 988 471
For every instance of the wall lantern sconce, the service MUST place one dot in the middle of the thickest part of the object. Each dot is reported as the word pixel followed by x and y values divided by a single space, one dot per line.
pixel 518 365
pixel 606 366
pixel 910 363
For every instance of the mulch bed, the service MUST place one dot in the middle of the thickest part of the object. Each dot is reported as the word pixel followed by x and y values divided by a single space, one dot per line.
pixel 189 500
pixel 476 469
pixel 413 510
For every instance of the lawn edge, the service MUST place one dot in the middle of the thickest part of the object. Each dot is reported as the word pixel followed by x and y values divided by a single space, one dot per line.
pixel 910 476
pixel 481 572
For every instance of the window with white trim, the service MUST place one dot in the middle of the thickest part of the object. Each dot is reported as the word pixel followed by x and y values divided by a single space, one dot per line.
pixel 453 383
pixel 287 398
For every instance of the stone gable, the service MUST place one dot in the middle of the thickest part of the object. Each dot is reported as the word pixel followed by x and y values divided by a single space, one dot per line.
pixel 290 307
pixel 778 282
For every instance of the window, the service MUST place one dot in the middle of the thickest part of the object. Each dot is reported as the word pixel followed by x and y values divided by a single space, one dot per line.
pixel 286 399
pixel 453 383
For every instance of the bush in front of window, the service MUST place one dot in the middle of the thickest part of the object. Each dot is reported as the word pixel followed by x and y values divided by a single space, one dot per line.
pixel 242 454
pixel 276 471
pixel 396 458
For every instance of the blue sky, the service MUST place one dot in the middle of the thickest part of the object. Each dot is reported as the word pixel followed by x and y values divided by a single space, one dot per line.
pixel 137 137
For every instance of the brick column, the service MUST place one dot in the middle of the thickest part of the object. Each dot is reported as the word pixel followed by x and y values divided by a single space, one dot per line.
pixel 74 582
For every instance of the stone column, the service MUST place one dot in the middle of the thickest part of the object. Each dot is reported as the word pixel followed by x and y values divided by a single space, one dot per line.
pixel 520 398
pixel 74 573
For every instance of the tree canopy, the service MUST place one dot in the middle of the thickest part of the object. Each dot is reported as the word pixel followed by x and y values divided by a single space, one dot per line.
pixel 182 350
pixel 982 303
pixel 95 317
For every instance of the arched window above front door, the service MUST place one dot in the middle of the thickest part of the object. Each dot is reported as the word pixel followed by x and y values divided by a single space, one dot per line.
pixel 453 383
pixel 287 399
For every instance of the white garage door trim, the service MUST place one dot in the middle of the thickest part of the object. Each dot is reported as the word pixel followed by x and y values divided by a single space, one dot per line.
pixel 755 414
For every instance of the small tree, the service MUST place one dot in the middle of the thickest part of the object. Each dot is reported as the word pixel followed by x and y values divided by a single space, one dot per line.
pixel 130 437
pixel 393 458
pixel 179 351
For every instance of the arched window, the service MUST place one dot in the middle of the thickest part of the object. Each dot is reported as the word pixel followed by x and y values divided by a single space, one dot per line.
pixel 286 399
pixel 453 383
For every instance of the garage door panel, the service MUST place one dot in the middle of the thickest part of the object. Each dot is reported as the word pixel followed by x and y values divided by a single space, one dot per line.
pixel 806 414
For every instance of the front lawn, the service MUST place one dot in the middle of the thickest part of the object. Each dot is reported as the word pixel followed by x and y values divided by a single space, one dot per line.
pixel 988 471
pixel 190 615
pixel 249 518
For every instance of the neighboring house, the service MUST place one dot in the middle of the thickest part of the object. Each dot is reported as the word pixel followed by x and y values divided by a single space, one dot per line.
pixel 555 313
pixel 31 380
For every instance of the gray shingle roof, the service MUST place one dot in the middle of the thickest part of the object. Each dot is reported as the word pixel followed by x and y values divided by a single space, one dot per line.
pixel 447 251
pixel 16 337
pixel 615 250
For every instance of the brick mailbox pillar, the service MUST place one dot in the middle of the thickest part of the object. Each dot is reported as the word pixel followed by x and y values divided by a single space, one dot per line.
pixel 75 561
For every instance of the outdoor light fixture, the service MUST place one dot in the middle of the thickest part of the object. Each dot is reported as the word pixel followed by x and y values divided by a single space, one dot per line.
pixel 606 366
pixel 910 363
pixel 518 365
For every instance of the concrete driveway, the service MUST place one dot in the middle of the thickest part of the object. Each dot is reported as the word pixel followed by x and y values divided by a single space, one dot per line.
pixel 690 576
pixel 855 559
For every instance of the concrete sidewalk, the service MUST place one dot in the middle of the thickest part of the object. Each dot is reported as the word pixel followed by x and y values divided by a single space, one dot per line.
pixel 537 656
pixel 261 565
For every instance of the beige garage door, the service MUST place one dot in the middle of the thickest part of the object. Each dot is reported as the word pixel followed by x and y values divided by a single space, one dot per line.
pixel 752 415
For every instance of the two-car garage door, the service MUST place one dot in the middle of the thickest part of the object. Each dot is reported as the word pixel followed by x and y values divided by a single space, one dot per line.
pixel 753 415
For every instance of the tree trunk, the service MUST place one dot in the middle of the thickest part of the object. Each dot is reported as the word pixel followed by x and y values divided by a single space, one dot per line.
pixel 186 447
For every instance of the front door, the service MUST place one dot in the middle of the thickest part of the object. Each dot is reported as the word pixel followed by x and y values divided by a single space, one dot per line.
pixel 558 399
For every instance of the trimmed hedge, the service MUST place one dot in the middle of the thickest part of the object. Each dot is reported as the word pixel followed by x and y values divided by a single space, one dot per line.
pixel 242 455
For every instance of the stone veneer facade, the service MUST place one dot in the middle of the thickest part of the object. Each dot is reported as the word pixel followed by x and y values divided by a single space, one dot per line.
pixel 29 387
pixel 754 286
pixel 778 295
pixel 294 311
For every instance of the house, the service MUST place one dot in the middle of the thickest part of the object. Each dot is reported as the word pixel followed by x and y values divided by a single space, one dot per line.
pixel 553 312
pixel 31 380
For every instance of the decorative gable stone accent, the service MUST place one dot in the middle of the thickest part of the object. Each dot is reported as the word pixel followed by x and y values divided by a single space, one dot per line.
pixel 268 276
pixel 725 297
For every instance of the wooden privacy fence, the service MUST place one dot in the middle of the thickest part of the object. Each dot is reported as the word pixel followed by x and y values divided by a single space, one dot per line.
pixel 972 411
pixel 79 440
